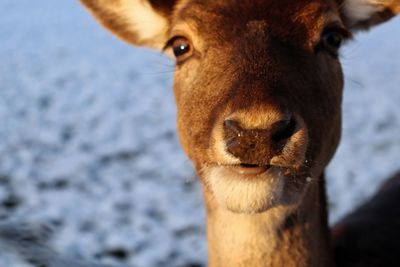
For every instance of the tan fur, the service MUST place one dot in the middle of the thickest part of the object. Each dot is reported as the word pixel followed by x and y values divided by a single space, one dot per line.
pixel 257 90
pixel 280 237
pixel 366 13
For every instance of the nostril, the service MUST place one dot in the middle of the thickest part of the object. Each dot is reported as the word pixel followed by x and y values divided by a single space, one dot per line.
pixel 284 129
pixel 256 146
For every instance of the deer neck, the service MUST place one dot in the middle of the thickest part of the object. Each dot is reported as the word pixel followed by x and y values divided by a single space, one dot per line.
pixel 282 236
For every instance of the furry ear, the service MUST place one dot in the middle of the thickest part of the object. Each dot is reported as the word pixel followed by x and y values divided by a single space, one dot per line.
pixel 363 14
pixel 139 22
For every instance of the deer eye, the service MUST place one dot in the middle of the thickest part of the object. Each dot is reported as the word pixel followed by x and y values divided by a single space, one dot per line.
pixel 181 48
pixel 332 40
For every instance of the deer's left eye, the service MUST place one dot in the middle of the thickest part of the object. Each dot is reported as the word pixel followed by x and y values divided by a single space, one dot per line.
pixel 181 48
pixel 332 40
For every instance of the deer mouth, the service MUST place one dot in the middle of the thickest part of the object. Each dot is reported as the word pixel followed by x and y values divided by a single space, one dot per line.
pixel 248 170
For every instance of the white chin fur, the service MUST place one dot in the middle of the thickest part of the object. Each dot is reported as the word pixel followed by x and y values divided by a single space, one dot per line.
pixel 241 195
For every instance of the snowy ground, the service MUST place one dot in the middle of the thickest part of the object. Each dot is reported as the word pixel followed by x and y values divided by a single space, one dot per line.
pixel 88 142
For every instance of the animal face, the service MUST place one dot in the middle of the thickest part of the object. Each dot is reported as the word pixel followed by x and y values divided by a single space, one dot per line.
pixel 258 89
pixel 258 86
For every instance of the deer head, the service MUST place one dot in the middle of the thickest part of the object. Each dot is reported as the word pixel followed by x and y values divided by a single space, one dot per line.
pixel 258 85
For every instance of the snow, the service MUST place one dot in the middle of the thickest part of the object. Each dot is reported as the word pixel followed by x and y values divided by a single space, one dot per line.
pixel 88 142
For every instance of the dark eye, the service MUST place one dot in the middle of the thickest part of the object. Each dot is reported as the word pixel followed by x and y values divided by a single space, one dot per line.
pixel 182 48
pixel 331 41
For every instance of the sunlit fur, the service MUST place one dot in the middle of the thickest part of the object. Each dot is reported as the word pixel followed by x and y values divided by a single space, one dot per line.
pixel 134 21
pixel 362 14
pixel 359 10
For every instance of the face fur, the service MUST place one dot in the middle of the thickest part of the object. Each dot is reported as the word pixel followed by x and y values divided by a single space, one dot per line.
pixel 258 89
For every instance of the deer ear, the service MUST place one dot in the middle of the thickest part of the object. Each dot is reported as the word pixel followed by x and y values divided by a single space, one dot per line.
pixel 139 22
pixel 363 14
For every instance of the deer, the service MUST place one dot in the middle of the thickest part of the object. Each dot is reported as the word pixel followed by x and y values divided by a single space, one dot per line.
pixel 258 86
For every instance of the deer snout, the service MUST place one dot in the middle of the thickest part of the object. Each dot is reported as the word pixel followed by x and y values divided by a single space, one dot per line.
pixel 258 146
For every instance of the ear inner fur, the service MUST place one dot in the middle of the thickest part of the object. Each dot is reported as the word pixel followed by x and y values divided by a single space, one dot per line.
pixel 142 23
pixel 363 14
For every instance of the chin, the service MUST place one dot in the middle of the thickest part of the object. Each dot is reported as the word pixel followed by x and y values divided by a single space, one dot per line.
pixel 251 193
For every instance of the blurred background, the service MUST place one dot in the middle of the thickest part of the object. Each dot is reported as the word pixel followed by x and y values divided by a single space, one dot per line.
pixel 88 142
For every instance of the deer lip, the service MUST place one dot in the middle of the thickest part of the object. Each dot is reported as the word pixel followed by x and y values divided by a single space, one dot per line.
pixel 249 169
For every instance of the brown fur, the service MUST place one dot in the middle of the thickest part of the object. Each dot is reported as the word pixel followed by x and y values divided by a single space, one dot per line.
pixel 257 65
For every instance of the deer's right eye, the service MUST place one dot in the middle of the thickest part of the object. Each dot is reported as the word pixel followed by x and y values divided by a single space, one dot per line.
pixel 332 39
pixel 182 48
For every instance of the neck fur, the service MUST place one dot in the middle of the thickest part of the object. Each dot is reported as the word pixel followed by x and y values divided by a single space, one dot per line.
pixel 282 236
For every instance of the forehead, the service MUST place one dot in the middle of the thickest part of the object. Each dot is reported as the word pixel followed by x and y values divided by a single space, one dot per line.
pixel 296 20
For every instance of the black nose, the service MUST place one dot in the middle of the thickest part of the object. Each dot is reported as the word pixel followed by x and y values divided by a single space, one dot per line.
pixel 255 145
